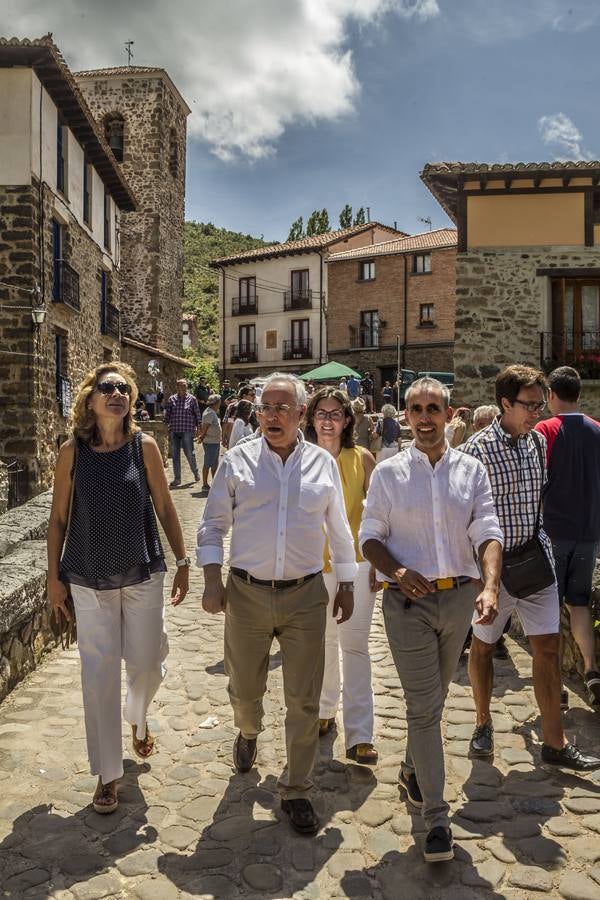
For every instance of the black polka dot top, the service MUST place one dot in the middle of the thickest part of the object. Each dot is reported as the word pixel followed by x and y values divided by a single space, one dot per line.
pixel 113 536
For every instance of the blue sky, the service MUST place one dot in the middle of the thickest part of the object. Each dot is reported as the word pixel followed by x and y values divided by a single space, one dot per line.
pixel 436 90
pixel 298 104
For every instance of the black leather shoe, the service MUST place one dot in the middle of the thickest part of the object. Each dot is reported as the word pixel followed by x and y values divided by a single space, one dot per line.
pixel 302 815
pixel 413 791
pixel 482 742
pixel 244 753
pixel 570 757
pixel 438 845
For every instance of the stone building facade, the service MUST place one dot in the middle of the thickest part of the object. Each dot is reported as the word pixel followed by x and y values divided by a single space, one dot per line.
pixel 274 299
pixel 528 270
pixel 394 299
pixel 144 118
pixel 59 214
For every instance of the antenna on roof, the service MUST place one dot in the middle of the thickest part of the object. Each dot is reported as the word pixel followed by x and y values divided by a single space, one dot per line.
pixel 128 45
pixel 426 220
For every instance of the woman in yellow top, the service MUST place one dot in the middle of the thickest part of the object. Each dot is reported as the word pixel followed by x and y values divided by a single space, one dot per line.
pixel 330 424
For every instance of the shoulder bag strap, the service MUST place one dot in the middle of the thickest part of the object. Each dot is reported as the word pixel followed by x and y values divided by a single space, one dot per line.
pixel 538 446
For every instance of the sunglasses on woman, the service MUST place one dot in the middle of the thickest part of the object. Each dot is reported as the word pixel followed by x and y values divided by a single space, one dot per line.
pixel 109 387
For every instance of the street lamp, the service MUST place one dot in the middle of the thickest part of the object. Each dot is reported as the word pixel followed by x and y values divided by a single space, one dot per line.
pixel 38 316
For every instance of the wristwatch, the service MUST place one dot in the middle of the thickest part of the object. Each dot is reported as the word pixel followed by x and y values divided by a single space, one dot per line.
pixel 186 561
pixel 346 586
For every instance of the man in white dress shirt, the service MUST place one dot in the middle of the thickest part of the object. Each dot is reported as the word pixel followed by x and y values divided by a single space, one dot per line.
pixel 276 493
pixel 426 512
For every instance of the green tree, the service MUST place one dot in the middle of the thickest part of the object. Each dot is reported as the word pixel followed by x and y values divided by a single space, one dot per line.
pixel 324 226
pixel 204 370
pixel 313 225
pixel 360 217
pixel 346 216
pixel 296 230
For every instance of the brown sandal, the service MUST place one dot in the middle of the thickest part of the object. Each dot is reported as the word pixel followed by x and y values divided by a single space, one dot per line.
pixel 105 799
pixel 365 754
pixel 144 747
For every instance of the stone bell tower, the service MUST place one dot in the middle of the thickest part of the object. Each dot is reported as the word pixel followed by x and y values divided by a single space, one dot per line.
pixel 143 117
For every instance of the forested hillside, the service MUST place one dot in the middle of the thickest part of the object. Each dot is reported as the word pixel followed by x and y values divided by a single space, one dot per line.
pixel 203 243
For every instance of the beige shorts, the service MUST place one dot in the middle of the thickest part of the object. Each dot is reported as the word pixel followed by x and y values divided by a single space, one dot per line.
pixel 539 614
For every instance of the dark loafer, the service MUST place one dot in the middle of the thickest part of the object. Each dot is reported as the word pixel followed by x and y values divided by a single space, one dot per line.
pixel 482 742
pixel 244 753
pixel 439 845
pixel 570 757
pixel 302 815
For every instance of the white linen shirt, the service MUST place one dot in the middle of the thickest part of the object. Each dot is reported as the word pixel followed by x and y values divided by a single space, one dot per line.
pixel 431 519
pixel 276 513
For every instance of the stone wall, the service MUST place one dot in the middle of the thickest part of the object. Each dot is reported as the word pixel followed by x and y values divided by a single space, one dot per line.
pixel 25 632
pixel 152 237
pixel 502 305
pixel 32 420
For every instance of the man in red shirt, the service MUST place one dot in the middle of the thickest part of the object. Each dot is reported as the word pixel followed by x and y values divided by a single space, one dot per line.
pixel 572 511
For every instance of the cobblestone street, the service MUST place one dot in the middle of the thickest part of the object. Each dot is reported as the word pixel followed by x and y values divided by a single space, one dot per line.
pixel 189 826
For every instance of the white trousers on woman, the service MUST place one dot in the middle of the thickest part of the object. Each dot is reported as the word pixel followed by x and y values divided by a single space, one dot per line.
pixel 126 623
pixel 353 638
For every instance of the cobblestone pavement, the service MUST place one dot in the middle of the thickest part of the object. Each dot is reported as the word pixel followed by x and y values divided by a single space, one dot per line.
pixel 189 826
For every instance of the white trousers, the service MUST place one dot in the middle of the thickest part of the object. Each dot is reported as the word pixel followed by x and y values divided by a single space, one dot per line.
pixel 353 638
pixel 126 623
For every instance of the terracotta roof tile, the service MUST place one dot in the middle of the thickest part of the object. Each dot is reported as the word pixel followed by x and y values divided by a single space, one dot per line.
pixel 124 71
pixel 305 245
pixel 428 240
pixel 44 57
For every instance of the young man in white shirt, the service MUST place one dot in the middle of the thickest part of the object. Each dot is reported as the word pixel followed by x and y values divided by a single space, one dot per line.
pixel 427 510
pixel 276 493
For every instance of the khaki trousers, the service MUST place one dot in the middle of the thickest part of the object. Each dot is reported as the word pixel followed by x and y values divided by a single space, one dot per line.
pixel 426 641
pixel 296 616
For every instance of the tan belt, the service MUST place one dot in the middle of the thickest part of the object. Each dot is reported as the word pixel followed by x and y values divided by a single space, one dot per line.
pixel 440 584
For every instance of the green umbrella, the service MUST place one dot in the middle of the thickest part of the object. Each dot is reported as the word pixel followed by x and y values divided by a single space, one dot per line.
pixel 331 371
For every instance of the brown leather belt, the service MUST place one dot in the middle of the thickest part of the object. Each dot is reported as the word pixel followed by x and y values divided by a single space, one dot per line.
pixel 272 583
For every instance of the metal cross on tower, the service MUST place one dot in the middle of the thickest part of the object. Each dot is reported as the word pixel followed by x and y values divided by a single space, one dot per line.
pixel 128 45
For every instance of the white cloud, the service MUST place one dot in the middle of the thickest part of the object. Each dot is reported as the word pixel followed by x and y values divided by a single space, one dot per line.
pixel 248 70
pixel 560 132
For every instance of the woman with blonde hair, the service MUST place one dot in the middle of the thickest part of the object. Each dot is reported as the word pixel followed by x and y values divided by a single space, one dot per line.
pixel 329 422
pixel 109 481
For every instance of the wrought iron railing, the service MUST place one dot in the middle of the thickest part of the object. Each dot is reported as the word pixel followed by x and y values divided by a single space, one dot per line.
pixel 579 349
pixel 364 338
pixel 66 285
pixel 297 299
pixel 110 320
pixel 244 353
pixel 298 349
pixel 244 306
pixel 64 395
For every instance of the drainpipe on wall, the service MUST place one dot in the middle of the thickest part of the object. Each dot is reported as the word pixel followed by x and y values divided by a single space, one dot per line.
pixel 223 319
pixel 404 336
pixel 321 308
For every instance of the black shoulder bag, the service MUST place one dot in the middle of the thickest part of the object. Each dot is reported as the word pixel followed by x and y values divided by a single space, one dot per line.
pixel 526 569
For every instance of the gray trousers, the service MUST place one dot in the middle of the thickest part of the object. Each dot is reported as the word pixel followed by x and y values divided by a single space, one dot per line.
pixel 426 641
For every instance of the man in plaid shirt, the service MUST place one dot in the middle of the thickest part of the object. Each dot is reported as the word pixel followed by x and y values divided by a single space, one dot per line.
pixel 512 459
pixel 182 416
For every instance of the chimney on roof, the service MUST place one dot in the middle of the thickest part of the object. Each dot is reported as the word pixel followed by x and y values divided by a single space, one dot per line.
pixel 368 213
pixel 395 225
